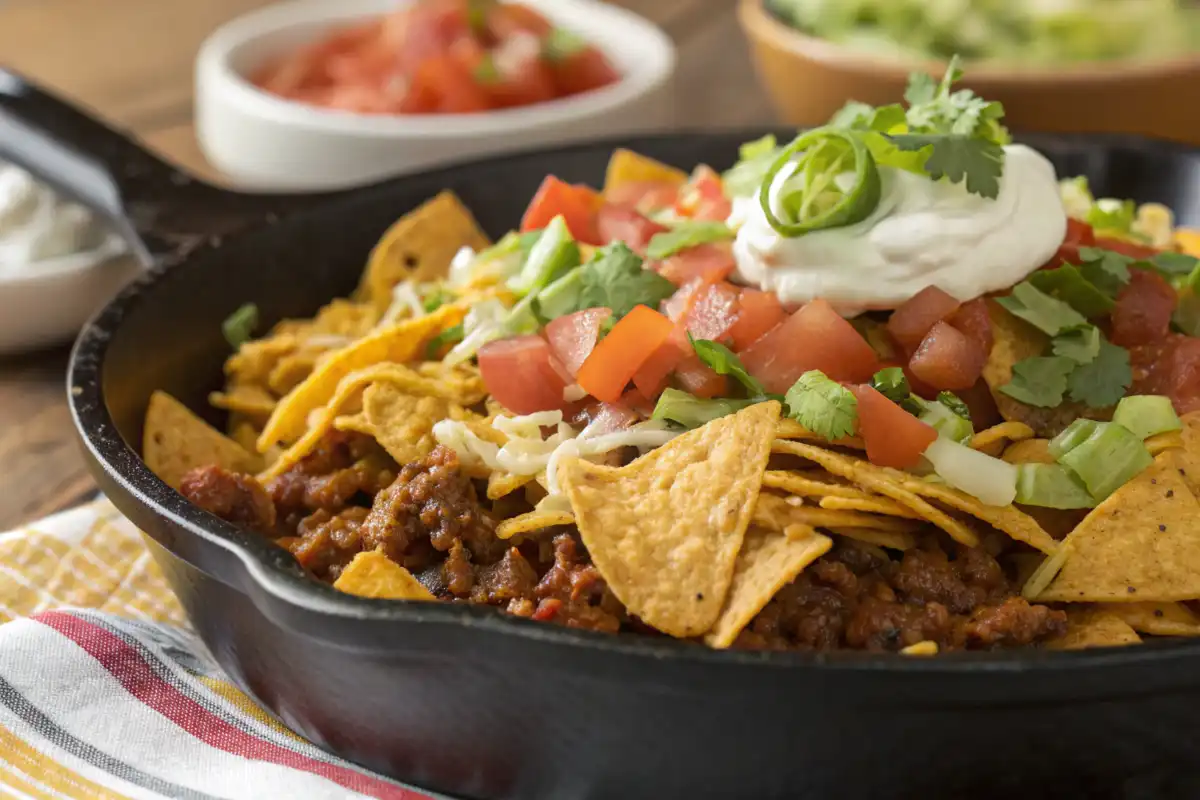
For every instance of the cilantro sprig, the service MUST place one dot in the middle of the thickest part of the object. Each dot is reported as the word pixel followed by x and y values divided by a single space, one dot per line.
pixel 822 405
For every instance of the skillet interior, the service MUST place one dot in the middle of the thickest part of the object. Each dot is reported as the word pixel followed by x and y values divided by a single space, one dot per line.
pixel 489 706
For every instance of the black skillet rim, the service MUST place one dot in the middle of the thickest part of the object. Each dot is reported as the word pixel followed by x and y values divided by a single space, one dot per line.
pixel 270 569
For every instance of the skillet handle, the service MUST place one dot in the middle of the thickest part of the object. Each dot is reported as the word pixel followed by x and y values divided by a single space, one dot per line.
pixel 162 211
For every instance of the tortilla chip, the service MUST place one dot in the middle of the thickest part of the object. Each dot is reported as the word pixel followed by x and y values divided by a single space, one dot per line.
pixel 403 422
pixel 244 433
pixel 533 521
pixel 925 648
pixel 801 485
pixel 626 166
pixel 1189 458
pixel 874 504
pixel 767 562
pixel 666 529
pixel 354 423
pixel 419 247
pixel 1170 440
pixel 502 484
pixel 776 513
pixel 1141 544
pixel 254 360
pixel 175 441
pixel 372 574
pixel 290 371
pixel 1030 451
pixel 396 344
pixel 992 441
pixel 245 399
pixel 1156 619
pixel 790 429
pixel 880 481
pixel 892 540
pixel 1089 628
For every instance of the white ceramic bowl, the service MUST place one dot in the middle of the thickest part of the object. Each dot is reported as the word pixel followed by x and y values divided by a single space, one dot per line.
pixel 264 142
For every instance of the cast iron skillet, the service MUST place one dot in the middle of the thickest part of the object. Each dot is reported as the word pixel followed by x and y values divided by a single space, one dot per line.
pixel 470 702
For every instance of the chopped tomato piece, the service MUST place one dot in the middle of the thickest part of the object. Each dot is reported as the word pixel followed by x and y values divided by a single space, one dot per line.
pixel 677 306
pixel 1131 249
pixel 894 438
pixel 573 337
pixel 645 196
pixel 522 84
pixel 613 362
pixel 611 417
pixel 704 197
pixel 714 312
pixel 651 377
pixel 519 372
pixel 507 19
pixel 696 377
pixel 947 359
pixel 758 313
pixel 972 319
pixel 574 203
pixel 1079 234
pixel 1170 367
pixel 583 71
pixel 815 337
pixel 713 262
pixel 1143 311
pixel 913 319
pixel 637 401
pixel 451 83
pixel 919 387
pixel 623 224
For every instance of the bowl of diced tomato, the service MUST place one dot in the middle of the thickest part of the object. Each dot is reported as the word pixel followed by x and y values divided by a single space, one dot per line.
pixel 311 95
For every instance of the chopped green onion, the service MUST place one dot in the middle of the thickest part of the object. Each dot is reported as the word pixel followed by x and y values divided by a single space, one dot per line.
pixel 1106 459
pixel 692 412
pixel 451 335
pixel 946 422
pixel 486 71
pixel 561 44
pixel 239 326
pixel 554 254
pixel 1110 215
pixel 823 156
pixel 1050 486
pixel 955 403
pixel 1147 414
pixel 992 481
pixel 686 234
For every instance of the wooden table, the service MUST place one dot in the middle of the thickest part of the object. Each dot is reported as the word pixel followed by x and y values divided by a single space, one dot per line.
pixel 131 61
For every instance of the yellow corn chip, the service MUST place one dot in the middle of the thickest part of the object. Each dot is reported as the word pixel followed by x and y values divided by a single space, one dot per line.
pixel 254 360
pixel 767 562
pixel 403 422
pixel 1156 619
pixel 372 574
pixel 777 513
pixel 1171 440
pixel 802 485
pixel 248 399
pixel 790 429
pixel 666 529
pixel 533 521
pixel 925 648
pixel 885 482
pixel 892 540
pixel 502 484
pixel 244 433
pixel 354 423
pixel 291 370
pixel 396 344
pixel 1030 451
pixel 1088 628
pixel 626 166
pixel 992 441
pixel 874 504
pixel 176 441
pixel 419 247
pixel 1141 544
pixel 1189 457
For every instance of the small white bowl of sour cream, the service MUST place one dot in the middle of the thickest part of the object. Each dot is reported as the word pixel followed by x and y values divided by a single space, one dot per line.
pixel 262 141
pixel 58 264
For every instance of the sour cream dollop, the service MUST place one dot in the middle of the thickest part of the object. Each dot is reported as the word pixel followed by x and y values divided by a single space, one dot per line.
pixel 923 233
pixel 36 225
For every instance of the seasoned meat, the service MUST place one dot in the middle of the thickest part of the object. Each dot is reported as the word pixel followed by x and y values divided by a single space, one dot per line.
pixel 1014 622
pixel 325 543
pixel 343 468
pixel 572 593
pixel 510 578
pixel 235 498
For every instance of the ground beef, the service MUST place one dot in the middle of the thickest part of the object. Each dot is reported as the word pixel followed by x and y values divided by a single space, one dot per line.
pixel 235 498
pixel 572 593
pixel 344 469
pixel 325 543
pixel 858 597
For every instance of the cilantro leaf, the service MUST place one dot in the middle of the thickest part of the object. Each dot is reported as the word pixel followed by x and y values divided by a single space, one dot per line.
pixel 1104 380
pixel 892 384
pixel 1041 310
pixel 955 403
pixel 825 407
pixel 615 279
pixel 862 117
pixel 1173 265
pixel 452 335
pixel 1069 285
pixel 1106 270
pixel 723 362
pixel 1081 345
pixel 922 88
pixel 975 162
pixel 239 326
pixel 1040 381
pixel 686 234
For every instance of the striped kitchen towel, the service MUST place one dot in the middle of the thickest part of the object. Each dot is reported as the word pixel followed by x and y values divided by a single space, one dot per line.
pixel 105 693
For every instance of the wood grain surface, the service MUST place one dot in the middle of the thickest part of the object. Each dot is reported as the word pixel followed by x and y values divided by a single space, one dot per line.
pixel 131 62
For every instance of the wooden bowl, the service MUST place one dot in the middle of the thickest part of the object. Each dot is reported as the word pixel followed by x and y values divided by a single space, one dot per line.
pixel 808 79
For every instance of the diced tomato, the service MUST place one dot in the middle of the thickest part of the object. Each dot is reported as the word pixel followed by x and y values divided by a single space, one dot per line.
pixel 506 19
pixel 615 360
pixel 714 312
pixel 815 337
pixel 1131 249
pixel 573 337
pixel 894 438
pixel 919 387
pixel 696 377
pixel 576 204
pixel 712 262
pixel 645 196
pixel 611 417
pixel 453 86
pixel 947 359
pixel 1171 367
pixel 1143 311
pixel 704 197
pixel 523 84
pixel 583 71
pixel 519 372
pixel 758 312
pixel 677 306
pixel 1079 234
pixel 651 377
pixel 635 400
pixel 624 224
pixel 912 320
pixel 426 31
pixel 972 319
